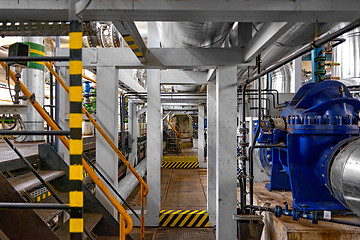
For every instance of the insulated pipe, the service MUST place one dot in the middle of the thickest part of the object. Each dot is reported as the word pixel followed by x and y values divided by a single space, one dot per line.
pixel 344 175
pixel 306 49
pixel 128 183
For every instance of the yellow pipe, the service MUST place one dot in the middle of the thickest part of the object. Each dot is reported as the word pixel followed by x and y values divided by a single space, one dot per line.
pixel 65 141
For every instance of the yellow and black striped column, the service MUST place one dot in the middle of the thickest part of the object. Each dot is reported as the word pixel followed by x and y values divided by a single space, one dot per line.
pixel 76 199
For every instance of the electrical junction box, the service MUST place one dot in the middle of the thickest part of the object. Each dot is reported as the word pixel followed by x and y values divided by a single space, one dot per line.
pixel 19 50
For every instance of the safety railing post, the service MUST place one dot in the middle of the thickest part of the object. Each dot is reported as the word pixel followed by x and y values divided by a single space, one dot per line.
pixel 142 227
pixel 76 197
pixel 122 228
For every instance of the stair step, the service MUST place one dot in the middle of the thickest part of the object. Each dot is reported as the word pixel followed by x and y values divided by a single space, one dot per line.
pixel 28 181
pixel 48 214
pixel 90 221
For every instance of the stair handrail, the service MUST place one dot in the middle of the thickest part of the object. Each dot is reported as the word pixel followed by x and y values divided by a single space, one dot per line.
pixel 144 186
pixel 123 214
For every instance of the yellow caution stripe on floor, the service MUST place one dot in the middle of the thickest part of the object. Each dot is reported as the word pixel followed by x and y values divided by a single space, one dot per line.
pixel 186 145
pixel 180 158
pixel 180 164
pixel 43 196
pixel 184 218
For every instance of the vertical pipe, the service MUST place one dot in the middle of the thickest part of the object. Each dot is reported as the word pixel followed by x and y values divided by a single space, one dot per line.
pixel 243 155
pixel 251 160
pixel 51 105
pixel 57 93
pixel 76 198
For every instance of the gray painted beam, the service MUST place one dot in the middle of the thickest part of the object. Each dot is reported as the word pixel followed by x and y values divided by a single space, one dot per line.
pixel 182 77
pixel 211 152
pixel 201 136
pixel 226 189
pixel 266 36
pixel 106 116
pixel 160 58
pixel 154 137
pixel 186 10
pixel 127 82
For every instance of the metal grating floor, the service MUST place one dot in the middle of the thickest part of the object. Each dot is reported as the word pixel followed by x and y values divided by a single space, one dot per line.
pixel 26 149
pixel 184 234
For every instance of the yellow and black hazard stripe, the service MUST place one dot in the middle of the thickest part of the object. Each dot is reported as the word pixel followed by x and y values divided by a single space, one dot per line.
pixel 134 47
pixel 186 219
pixel 180 164
pixel 186 145
pixel 76 197
pixel 86 174
pixel 43 196
pixel 181 158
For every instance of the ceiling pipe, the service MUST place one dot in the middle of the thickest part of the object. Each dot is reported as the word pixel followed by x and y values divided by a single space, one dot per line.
pixel 304 50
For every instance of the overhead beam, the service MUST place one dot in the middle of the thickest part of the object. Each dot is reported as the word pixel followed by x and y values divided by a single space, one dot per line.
pixel 269 33
pixel 183 77
pixel 131 35
pixel 128 83
pixel 160 58
pixel 211 75
pixel 186 10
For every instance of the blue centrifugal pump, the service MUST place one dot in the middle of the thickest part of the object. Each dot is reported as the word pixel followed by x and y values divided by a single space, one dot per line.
pixel 320 160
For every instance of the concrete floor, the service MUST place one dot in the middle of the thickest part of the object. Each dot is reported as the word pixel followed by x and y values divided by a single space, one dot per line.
pixel 181 189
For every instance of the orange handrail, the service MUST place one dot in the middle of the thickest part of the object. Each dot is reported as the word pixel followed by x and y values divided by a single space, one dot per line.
pixel 177 134
pixel 65 141
pixel 144 186
pixel 90 79
pixel 87 78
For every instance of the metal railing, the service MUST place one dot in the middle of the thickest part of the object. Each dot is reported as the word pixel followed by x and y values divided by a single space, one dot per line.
pixel 144 186
pixel 126 223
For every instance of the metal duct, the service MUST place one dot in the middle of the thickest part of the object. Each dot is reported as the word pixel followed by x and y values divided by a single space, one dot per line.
pixel 348 55
pixel 344 176
pixel 33 79
pixel 281 79
pixel 190 34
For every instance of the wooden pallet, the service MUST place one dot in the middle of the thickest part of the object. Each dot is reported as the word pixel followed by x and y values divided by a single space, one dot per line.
pixel 285 228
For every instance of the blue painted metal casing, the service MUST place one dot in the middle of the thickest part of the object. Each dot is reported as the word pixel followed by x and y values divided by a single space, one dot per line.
pixel 319 118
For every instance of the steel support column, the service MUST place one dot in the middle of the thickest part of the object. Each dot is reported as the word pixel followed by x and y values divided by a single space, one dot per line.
pixel 226 190
pixel 297 78
pixel 211 152
pixel 201 136
pixel 132 123
pixel 106 116
pixel 154 135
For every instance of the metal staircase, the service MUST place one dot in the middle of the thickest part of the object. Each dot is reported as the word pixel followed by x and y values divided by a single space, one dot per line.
pixel 19 186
